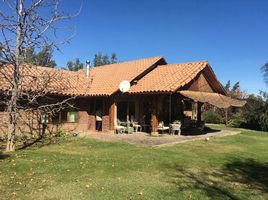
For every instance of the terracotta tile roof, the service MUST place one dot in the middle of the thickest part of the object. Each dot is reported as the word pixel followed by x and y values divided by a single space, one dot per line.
pixel 103 80
pixel 168 78
pixel 45 80
pixel 218 100
pixel 106 79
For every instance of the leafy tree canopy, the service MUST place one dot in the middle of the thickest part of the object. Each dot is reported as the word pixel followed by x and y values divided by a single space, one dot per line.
pixel 104 59
pixel 43 58
pixel 75 65
pixel 255 112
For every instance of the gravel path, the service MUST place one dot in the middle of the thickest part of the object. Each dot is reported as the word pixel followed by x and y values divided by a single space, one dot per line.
pixel 145 139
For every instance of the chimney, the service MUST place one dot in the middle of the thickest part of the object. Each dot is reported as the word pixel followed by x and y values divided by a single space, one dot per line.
pixel 88 67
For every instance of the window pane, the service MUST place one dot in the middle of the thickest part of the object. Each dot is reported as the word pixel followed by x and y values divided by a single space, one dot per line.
pixel 72 116
pixel 44 118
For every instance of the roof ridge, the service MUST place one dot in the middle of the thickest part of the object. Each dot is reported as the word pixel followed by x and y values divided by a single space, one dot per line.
pixel 140 59
pixel 198 61
pixel 49 68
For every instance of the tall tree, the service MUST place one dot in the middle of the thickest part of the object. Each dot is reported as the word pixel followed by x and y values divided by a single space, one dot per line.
pixel 103 59
pixel 264 70
pixel 228 86
pixel 75 65
pixel 27 25
pixel 235 90
pixel 113 58
pixel 236 87
pixel 43 58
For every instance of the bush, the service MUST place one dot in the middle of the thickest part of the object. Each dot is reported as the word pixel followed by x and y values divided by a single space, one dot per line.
pixel 263 121
pixel 212 117
pixel 237 120
pixel 256 112
pixel 60 133
pixel 22 138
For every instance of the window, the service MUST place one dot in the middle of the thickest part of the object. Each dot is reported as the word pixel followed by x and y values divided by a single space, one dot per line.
pixel 65 116
pixel 72 116
pixel 44 118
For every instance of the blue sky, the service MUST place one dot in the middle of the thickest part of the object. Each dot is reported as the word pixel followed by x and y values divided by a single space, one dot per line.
pixel 231 34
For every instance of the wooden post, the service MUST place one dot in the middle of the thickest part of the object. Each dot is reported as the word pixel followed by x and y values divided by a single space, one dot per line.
pixel 199 105
pixel 169 110
pixel 112 113
pixel 154 120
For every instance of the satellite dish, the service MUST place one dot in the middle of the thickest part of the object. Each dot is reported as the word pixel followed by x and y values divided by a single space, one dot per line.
pixel 124 86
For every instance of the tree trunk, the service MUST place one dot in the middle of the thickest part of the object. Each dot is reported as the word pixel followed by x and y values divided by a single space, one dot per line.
pixel 12 106
pixel 11 132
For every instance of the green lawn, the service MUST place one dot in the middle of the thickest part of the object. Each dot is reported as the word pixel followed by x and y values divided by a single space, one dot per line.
pixel 232 167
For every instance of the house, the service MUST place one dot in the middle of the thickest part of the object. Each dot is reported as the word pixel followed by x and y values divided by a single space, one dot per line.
pixel 158 92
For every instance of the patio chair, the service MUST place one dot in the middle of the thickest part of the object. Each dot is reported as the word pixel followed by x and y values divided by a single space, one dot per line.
pixel 119 128
pixel 175 127
pixel 161 127
pixel 136 126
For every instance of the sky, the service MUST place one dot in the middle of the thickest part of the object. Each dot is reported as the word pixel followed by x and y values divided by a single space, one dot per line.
pixel 232 35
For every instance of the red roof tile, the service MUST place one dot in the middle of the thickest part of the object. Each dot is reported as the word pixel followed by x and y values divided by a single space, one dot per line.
pixel 168 78
pixel 106 79
pixel 103 80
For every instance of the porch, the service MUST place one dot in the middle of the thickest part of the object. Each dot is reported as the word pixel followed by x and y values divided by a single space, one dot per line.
pixel 152 113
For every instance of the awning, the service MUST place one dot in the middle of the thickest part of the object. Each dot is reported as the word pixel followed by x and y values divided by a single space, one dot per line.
pixel 215 99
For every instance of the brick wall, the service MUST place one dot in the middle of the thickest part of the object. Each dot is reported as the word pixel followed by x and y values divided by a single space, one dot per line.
pixel 29 122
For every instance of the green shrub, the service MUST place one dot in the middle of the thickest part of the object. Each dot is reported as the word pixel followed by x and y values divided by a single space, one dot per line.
pixel 256 112
pixel 22 138
pixel 60 133
pixel 212 117
pixel 237 120
pixel 263 121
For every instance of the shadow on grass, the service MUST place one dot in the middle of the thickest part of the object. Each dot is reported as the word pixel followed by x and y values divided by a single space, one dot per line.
pixel 38 142
pixel 250 172
pixel 41 142
pixel 235 180
pixel 196 131
pixel 3 156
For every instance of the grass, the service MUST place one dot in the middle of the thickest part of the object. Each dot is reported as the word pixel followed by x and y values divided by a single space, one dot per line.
pixel 232 167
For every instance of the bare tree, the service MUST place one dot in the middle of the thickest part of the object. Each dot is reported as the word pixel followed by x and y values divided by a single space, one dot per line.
pixel 30 25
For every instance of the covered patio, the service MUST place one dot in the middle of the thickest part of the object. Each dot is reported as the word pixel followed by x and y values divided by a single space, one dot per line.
pixel 159 113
